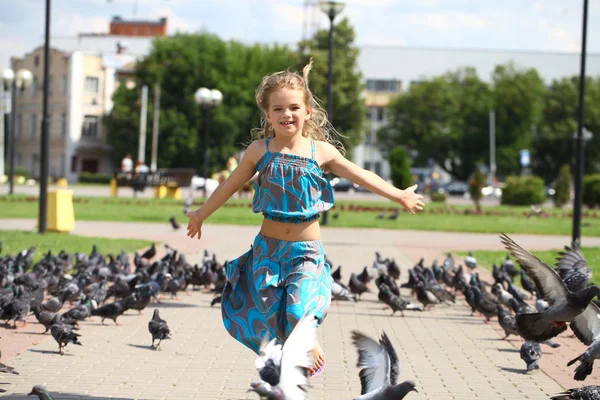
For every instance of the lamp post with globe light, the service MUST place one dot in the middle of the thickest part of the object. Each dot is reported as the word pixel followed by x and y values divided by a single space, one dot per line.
pixel 207 99
pixel 19 81
pixel 331 8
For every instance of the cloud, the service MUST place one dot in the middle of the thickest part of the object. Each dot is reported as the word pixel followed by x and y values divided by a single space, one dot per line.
pixel 72 25
pixel 175 23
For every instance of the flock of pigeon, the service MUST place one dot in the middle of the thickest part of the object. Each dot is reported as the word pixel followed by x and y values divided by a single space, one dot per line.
pixel 107 286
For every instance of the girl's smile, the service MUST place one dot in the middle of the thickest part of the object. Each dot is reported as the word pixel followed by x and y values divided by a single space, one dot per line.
pixel 287 111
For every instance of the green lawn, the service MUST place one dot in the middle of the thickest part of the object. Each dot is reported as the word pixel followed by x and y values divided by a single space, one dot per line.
pixel 15 241
pixel 485 259
pixel 347 213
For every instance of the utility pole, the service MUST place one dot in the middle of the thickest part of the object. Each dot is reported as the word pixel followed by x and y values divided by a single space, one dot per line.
pixel 155 113
pixel 144 111
pixel 493 146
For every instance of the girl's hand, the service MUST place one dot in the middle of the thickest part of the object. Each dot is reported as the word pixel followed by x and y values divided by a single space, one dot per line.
pixel 195 225
pixel 410 200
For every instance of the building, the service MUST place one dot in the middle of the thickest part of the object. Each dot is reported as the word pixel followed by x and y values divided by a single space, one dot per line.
pixel 120 27
pixel 84 73
pixel 389 70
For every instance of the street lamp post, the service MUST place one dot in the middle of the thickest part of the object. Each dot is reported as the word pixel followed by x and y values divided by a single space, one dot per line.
pixel 42 220
pixel 331 8
pixel 207 99
pixel 580 138
pixel 21 81
pixel 7 76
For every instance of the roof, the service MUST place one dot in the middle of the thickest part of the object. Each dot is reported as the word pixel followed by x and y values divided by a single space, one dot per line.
pixel 118 21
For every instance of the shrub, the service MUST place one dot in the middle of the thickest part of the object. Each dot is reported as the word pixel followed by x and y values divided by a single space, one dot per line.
pixel 400 168
pixel 89 177
pixel 476 184
pixel 562 188
pixel 437 197
pixel 591 190
pixel 19 171
pixel 523 191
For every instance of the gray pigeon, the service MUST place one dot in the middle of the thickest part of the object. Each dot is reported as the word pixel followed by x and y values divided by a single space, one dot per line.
pixel 582 393
pixel 158 329
pixel 564 304
pixel 338 292
pixel 63 334
pixel 573 269
pixel 41 392
pixel 531 353
pixel 379 369
pixel 283 370
pixel 471 261
pixel 586 327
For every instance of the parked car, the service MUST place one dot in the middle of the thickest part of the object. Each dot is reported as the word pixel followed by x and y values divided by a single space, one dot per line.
pixel 455 188
pixel 344 185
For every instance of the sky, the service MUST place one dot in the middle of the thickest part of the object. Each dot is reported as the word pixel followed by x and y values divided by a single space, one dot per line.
pixel 536 25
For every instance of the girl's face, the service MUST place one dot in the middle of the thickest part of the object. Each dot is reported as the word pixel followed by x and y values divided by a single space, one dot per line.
pixel 287 111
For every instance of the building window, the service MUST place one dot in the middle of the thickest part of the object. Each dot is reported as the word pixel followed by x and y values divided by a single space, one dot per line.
pixel 91 84
pixel 376 114
pixel 90 126
pixel 33 125
pixel 19 127
pixel 63 125
pixel 383 85
pixel 63 84
pixel 36 61
pixel 415 83
pixel 376 165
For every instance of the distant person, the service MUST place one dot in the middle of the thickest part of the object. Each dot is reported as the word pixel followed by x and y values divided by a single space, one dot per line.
pixel 285 275
pixel 127 164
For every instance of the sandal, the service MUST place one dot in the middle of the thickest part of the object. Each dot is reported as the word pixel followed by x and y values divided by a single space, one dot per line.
pixel 319 371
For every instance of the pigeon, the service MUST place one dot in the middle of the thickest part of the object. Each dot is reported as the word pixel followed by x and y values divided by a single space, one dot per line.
pixel 396 303
pixel 7 369
pixel 564 304
pixel 586 327
pixel 338 292
pixel 187 207
pixel 63 334
pixel 150 253
pixel 283 371
pixel 379 369
pixel 394 215
pixel 531 353
pixel 509 267
pixel 582 393
pixel 356 286
pixel 158 329
pixel 507 322
pixel 471 261
pixel 174 223
pixel 527 283
pixel 41 392
pixel 215 300
pixel 573 269
pixel 114 310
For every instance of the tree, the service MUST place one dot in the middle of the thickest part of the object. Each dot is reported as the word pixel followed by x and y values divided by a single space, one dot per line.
pixel 562 188
pixel 518 103
pixel 445 119
pixel 182 64
pixel 400 168
pixel 349 111
pixel 554 144
pixel 476 184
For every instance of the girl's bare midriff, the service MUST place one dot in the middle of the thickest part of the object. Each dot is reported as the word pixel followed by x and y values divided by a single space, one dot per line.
pixel 290 232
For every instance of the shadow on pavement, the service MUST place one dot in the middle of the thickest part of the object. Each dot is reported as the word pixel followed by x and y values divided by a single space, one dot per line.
pixel 515 370
pixel 509 350
pixel 139 346
pixel 173 305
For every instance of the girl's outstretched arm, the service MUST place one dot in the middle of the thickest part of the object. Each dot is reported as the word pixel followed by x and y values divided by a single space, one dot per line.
pixel 335 162
pixel 239 177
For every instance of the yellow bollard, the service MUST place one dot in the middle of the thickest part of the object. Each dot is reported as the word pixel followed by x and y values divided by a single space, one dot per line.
pixel 60 217
pixel 160 192
pixel 174 192
pixel 114 188
pixel 62 183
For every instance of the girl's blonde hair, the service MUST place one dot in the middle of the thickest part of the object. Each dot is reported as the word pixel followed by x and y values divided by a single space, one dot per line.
pixel 317 127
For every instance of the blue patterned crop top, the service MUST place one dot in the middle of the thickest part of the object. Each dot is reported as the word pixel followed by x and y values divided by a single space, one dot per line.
pixel 290 188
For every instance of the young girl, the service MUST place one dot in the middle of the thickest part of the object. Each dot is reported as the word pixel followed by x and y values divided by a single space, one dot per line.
pixel 284 275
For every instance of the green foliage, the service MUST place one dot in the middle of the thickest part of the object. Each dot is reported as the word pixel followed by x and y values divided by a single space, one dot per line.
pixel 88 177
pixel 554 144
pixel 443 119
pixel 562 188
pixel 523 190
pixel 476 184
pixel 349 110
pixel 182 64
pixel 591 190
pixel 438 197
pixel 400 168
pixel 19 171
